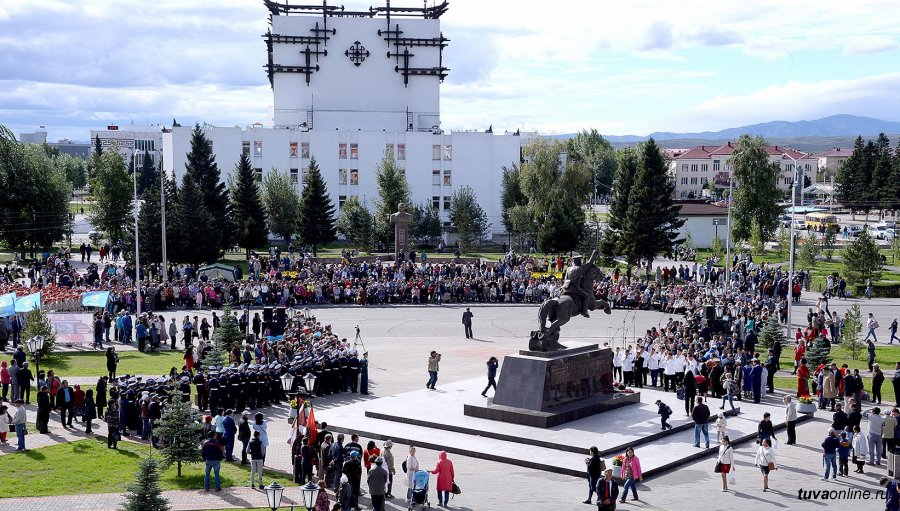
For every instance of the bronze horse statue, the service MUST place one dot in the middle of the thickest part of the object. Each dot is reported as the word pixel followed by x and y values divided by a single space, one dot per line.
pixel 576 299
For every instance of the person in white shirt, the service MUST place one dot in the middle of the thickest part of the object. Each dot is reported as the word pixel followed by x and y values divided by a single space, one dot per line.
pixel 679 366
pixel 654 364
pixel 617 364
pixel 765 460
pixel 726 460
pixel 669 369
pixel 871 324
pixel 790 418
pixel 628 367
pixel 876 429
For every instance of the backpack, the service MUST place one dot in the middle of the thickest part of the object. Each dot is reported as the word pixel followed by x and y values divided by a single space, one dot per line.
pixel 667 411
pixel 403 466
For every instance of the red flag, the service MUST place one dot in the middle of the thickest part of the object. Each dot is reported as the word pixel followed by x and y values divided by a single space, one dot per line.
pixel 311 430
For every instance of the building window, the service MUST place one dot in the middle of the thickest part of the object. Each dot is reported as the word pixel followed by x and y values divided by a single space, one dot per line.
pixel 448 152
pixel 436 152
pixel 342 151
pixel 341 200
pixel 401 151
pixel 693 180
pixel 304 175
pixel 716 164
pixel 683 194
pixel 704 167
pixel 789 167
pixel 684 180
pixel 342 176
pixel 257 172
pixel 806 167
pixel 257 148
pixel 704 180
pixel 448 180
pixel 684 167
pixel 304 149
pixel 354 151
pixel 436 202
pixel 436 177
pixel 694 167
pixel 246 148
pixel 446 203
pixel 294 177
pixel 354 176
pixel 293 149
pixel 389 149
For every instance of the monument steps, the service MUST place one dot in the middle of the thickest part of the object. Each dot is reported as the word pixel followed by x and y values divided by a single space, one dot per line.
pixel 415 418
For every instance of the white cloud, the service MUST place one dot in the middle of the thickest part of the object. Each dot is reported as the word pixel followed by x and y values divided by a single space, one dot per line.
pixel 874 96
pixel 658 37
pixel 860 45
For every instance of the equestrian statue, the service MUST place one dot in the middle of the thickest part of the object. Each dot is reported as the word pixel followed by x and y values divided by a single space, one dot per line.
pixel 577 297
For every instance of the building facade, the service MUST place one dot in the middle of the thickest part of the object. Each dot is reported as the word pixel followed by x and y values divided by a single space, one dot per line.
pixel 704 171
pixel 349 87
pixel 132 142
pixel 830 161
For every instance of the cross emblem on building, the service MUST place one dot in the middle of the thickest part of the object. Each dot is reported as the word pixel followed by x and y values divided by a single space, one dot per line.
pixel 357 53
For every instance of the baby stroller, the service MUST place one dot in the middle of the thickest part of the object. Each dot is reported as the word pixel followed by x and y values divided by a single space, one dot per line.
pixel 420 490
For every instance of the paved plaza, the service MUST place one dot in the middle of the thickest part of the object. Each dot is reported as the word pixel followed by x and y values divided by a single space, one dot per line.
pixel 399 339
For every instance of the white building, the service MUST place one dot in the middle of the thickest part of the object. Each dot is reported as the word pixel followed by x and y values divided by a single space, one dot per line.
pixel 709 165
pixel 704 222
pixel 132 141
pixel 349 86
pixel 830 161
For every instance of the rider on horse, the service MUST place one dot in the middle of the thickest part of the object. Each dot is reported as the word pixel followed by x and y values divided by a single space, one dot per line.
pixel 575 285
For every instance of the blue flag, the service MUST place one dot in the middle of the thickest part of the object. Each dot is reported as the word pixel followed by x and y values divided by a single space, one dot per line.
pixel 28 303
pixel 8 305
pixel 95 299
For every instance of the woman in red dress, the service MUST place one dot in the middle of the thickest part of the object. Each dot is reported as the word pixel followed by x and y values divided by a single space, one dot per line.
pixel 803 379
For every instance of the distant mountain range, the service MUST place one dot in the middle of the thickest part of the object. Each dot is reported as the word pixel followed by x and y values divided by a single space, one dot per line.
pixel 816 135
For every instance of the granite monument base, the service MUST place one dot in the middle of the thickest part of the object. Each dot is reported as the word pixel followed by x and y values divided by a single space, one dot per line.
pixel 545 389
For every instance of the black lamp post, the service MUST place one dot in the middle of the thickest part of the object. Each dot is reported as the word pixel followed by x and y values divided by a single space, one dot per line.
pixel 35 345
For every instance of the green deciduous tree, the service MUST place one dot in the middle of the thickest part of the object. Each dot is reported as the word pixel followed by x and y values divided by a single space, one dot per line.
pixel 282 204
pixel 651 221
pixel 717 248
pixel 862 260
pixel 850 333
pixel 511 195
pixel 390 181
pixel 247 212
pixel 144 493
pixel 809 250
pixel 75 169
pixel 180 433
pixel 757 193
pixel 316 214
pixel 426 223
pixel 34 209
pixel 201 167
pixel 469 219
pixel 113 193
pixel 598 155
pixel 355 223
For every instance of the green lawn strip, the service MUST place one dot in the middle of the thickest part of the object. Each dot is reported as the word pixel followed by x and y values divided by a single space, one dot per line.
pixel 789 384
pixel 77 207
pixel 87 466
pixel 130 362
pixel 886 356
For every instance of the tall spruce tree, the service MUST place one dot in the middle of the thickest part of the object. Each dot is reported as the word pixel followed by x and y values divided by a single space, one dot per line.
pixel 850 332
pixel 862 260
pixel 180 433
pixel 627 161
pixel 390 181
pixel 882 189
pixel 148 175
pixel 201 167
pixel 563 227
pixel 316 215
pixel 757 194
pixel 144 493
pixel 247 211
pixel 98 149
pixel 849 179
pixel 651 221
pixel 150 227
pixel 195 230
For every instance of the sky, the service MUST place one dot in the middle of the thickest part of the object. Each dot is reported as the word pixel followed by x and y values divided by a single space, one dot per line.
pixel 629 67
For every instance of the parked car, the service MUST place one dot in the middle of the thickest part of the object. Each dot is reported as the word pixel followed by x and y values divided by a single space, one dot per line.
pixel 879 230
pixel 95 236
pixel 854 230
pixel 799 224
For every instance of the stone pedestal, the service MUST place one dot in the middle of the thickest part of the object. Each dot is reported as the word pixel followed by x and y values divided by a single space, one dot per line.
pixel 545 389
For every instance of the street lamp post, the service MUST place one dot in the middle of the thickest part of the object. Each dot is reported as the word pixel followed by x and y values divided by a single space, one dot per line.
pixel 35 345
pixel 797 179
pixel 162 206
pixel 137 254
pixel 274 492
pixel 309 492
pixel 310 381
pixel 728 233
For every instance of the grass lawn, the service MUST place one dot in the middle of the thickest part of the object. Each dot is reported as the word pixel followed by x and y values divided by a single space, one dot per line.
pixel 77 207
pixel 87 466
pixel 886 356
pixel 130 362
pixel 789 383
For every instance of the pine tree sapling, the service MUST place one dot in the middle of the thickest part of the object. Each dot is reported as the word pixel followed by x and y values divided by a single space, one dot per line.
pixel 818 353
pixel 850 333
pixel 37 322
pixel 772 332
pixel 144 493
pixel 229 332
pixel 809 250
pixel 717 248
pixel 180 433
